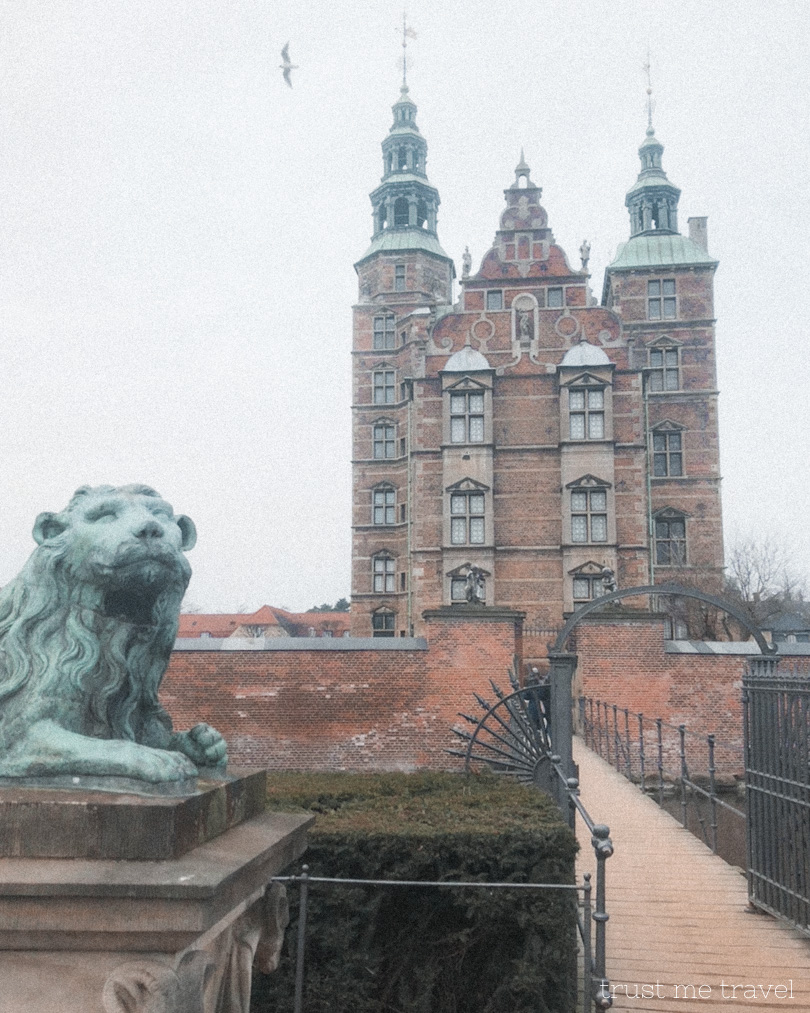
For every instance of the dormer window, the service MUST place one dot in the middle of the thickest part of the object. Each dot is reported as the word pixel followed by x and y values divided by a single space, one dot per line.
pixel 586 413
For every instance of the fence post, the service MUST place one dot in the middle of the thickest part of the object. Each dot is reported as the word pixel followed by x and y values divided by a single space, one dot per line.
pixel 603 848
pixel 587 931
pixel 684 771
pixel 713 790
pixel 627 763
pixel 561 718
pixel 302 939
pixel 660 762
pixel 641 750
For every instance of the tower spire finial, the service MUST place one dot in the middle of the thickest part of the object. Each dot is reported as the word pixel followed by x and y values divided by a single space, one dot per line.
pixel 647 68
pixel 407 33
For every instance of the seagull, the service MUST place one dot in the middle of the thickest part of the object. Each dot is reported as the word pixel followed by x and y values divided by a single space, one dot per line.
pixel 286 67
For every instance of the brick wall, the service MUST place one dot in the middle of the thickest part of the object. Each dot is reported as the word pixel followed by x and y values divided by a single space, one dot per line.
pixel 345 703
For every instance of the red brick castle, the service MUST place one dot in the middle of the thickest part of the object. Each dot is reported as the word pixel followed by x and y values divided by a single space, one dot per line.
pixel 524 428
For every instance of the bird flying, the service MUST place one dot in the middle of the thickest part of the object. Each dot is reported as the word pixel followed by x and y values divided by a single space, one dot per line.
pixel 286 67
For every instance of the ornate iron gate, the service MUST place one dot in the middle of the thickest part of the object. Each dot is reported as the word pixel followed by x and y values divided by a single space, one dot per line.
pixel 776 710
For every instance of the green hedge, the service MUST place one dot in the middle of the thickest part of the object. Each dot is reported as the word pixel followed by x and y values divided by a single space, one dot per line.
pixel 429 950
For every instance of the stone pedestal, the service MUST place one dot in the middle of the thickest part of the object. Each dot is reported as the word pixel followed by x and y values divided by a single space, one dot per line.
pixel 175 935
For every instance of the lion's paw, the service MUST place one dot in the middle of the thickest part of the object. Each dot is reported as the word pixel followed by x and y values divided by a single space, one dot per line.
pixel 203 744
pixel 157 765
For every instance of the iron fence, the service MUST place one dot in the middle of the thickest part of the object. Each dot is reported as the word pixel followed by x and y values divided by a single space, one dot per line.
pixel 593 951
pixel 666 760
pixel 776 718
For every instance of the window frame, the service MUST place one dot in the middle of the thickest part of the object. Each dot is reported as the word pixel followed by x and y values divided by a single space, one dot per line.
pixel 461 421
pixel 468 520
pixel 664 375
pixel 662 299
pixel 399 278
pixel 593 580
pixel 666 539
pixel 384 332
pixel 552 304
pixel 589 513
pixel 388 429
pixel 386 387
pixel 494 295
pixel 383 623
pixel 383 573
pixel 587 412
pixel 665 454
pixel 386 508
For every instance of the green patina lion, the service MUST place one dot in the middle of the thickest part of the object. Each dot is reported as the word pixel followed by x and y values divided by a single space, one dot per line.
pixel 86 631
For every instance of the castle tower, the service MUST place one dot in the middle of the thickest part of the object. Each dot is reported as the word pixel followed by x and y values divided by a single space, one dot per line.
pixel 661 284
pixel 405 284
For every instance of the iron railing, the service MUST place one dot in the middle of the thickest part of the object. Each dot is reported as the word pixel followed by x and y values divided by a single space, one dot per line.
pixel 776 720
pixel 586 913
pixel 665 760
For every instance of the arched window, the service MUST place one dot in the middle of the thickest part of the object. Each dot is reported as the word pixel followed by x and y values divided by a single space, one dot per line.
pixel 382 217
pixel 401 212
pixel 421 214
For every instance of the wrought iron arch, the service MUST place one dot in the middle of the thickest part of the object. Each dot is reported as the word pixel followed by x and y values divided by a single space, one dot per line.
pixel 665 589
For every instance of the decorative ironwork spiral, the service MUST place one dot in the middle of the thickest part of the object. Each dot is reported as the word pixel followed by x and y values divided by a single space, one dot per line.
pixel 510 737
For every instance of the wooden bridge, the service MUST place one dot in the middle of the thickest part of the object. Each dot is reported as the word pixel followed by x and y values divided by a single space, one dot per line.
pixel 681 937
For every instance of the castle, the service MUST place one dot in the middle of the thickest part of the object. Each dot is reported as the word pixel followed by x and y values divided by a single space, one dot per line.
pixel 525 429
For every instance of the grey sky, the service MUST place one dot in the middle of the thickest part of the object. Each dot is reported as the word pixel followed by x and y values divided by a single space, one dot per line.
pixel 178 228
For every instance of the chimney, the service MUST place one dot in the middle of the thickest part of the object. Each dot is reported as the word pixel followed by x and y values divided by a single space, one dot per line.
pixel 699 232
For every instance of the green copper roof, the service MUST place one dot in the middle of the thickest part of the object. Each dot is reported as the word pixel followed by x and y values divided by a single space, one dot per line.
pixel 396 240
pixel 659 251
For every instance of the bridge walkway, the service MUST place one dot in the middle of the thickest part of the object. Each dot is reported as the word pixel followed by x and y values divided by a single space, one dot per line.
pixel 679 915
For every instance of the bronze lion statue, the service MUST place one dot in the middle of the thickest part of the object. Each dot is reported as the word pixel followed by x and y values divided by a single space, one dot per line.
pixel 86 631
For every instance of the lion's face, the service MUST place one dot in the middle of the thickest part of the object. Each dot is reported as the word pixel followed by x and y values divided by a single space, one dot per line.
pixel 125 543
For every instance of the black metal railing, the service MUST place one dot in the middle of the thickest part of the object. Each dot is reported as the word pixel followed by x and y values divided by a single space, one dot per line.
pixel 776 719
pixel 587 912
pixel 666 761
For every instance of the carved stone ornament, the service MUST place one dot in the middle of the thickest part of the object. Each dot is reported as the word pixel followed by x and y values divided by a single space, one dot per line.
pixel 86 630
pixel 213 979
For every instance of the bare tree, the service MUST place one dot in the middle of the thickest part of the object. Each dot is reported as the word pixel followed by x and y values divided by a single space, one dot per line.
pixel 762 579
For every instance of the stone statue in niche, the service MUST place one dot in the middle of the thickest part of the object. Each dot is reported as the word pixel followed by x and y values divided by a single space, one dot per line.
pixel 609 584
pixel 86 630
pixel 474 590
pixel 525 326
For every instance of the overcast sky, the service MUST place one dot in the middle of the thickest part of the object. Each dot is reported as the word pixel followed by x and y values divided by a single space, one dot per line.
pixel 178 229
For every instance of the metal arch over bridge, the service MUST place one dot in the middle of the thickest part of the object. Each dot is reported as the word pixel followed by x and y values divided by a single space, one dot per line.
pixel 672 589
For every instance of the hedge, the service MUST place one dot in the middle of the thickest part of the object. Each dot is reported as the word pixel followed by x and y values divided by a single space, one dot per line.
pixel 428 950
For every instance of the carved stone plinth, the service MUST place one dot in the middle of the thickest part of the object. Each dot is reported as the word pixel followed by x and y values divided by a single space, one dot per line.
pixel 172 936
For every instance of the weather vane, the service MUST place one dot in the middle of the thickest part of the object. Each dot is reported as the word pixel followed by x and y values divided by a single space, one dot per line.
pixel 407 33
pixel 650 104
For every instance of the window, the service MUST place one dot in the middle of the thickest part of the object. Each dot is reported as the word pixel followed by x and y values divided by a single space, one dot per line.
pixel 384 333
pixel 665 371
pixel 587 587
pixel 467 417
pixel 384 571
pixel 384 439
pixel 383 384
pixel 670 541
pixel 555 298
pixel 467 518
pixel 495 300
pixel 667 454
pixel 587 413
pixel 382 623
pixel 588 515
pixel 399 278
pixel 661 299
pixel 384 500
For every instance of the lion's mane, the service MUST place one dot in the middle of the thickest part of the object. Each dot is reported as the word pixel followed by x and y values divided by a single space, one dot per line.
pixel 52 645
